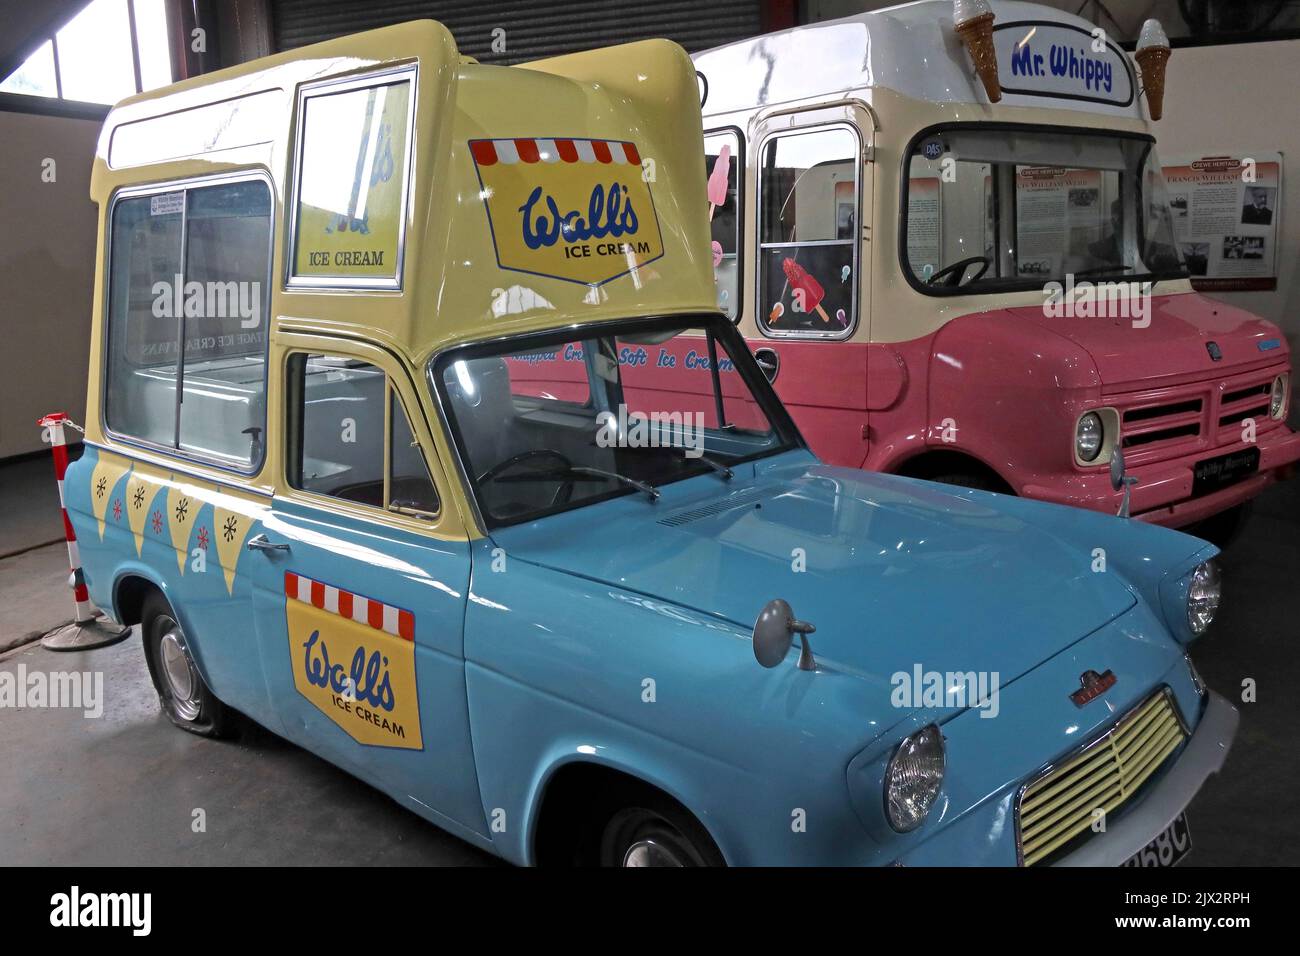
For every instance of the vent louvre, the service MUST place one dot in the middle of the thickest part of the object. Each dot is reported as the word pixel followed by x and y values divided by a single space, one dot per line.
pixel 739 500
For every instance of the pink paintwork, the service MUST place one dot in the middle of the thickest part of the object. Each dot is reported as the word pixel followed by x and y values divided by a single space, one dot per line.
pixel 1005 387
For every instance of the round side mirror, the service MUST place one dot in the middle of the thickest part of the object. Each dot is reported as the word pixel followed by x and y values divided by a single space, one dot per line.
pixel 772 633
pixel 1117 468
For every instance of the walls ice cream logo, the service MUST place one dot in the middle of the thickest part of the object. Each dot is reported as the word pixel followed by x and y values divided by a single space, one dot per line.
pixel 571 209
pixel 354 659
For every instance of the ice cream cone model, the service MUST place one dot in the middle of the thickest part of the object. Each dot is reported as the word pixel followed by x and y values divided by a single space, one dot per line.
pixel 1152 55
pixel 718 180
pixel 973 20
pixel 806 288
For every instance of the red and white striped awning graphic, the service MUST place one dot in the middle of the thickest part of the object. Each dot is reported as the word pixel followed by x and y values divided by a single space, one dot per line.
pixel 354 607
pixel 489 152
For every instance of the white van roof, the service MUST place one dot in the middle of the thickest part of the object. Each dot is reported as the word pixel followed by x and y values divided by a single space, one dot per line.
pixel 914 50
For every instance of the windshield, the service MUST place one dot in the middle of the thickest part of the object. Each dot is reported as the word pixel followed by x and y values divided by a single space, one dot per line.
pixel 558 421
pixel 997 209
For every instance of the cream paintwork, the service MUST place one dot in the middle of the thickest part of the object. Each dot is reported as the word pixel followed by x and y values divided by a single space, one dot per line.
pixel 452 289
pixel 889 309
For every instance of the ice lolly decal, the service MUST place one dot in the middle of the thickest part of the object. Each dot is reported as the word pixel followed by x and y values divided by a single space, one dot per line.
pixel 806 288
pixel 718 180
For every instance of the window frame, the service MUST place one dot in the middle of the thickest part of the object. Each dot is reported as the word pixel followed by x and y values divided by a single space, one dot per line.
pixel 760 320
pixel 106 345
pixel 408 72
pixel 291 440
pixel 741 169
pixel 1028 284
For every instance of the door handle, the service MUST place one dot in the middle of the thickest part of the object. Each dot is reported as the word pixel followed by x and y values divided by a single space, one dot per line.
pixel 262 543
pixel 769 362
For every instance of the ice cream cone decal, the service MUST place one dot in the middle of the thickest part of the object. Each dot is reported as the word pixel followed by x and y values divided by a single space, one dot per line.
pixel 973 20
pixel 807 290
pixel 718 179
pixel 1152 56
pixel 103 485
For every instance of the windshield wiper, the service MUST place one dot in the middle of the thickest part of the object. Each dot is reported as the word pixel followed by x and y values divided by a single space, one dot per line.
pixel 642 486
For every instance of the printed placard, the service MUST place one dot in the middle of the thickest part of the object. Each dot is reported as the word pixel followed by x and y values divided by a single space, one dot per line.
pixel 353 658
pixel 1227 212
pixel 1040 58
pixel 579 210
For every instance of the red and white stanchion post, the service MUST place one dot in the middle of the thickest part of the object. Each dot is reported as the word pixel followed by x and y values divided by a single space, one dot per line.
pixel 88 629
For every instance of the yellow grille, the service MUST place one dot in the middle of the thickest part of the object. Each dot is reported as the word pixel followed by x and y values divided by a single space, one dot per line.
pixel 1059 805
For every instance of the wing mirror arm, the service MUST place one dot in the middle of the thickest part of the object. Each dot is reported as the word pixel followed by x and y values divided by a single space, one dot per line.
pixel 774 633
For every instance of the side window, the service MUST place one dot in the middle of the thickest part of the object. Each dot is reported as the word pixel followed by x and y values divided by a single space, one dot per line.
pixel 349 437
pixel 353 157
pixel 189 281
pixel 724 164
pixel 808 233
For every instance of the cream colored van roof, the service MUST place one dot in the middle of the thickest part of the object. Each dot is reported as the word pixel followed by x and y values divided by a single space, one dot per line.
pixel 911 49
pixel 576 122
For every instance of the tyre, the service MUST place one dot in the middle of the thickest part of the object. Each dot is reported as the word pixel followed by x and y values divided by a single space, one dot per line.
pixel 182 694
pixel 966 479
pixel 654 831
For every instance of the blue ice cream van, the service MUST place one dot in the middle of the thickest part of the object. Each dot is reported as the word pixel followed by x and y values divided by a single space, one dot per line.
pixel 415 436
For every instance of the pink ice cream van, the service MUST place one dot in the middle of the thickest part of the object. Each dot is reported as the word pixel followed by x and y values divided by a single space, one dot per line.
pixel 945 232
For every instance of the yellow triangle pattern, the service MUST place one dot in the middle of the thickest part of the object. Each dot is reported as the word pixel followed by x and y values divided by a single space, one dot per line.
pixel 141 488
pixel 183 504
pixel 108 470
pixel 229 529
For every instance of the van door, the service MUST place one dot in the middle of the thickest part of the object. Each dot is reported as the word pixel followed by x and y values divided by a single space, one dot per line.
pixel 362 577
pixel 812 191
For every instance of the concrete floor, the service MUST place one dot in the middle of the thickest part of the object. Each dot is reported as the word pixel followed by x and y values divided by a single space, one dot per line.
pixel 123 788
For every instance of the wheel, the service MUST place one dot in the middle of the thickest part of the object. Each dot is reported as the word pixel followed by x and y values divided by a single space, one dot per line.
pixel 652 831
pixel 1225 527
pixel 182 694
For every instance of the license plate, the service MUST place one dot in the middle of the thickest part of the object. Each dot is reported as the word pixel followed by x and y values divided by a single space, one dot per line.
pixel 1167 849
pixel 1215 473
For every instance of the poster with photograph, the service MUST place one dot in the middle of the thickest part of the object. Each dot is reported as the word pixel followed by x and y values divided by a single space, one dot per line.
pixel 1059 214
pixel 1227 212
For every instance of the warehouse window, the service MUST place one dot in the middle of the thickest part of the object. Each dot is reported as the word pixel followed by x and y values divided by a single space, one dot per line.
pixel 110 50
pixel 350 196
pixel 808 235
pixel 188 302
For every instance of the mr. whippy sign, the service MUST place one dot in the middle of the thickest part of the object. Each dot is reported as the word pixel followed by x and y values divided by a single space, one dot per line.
pixel 573 209
pixel 353 658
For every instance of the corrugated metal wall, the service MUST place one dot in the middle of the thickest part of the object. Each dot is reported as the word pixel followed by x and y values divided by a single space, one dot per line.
pixel 533 28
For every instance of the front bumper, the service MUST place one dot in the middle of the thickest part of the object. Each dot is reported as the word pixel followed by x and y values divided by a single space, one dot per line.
pixel 1202 756
pixel 1163 494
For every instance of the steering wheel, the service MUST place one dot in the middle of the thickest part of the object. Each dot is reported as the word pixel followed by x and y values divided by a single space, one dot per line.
pixel 562 493
pixel 957 271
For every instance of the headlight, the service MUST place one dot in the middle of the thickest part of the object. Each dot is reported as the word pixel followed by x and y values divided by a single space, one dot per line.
pixel 913 777
pixel 1203 595
pixel 1088 435
pixel 1277 399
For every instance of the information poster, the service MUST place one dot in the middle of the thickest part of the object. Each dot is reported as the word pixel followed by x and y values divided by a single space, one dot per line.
pixel 1059 214
pixel 923 225
pixel 1227 212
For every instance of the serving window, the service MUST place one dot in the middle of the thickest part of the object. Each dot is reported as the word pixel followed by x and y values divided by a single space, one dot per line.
pixel 724 167
pixel 808 245
pixel 187 317
pixel 353 164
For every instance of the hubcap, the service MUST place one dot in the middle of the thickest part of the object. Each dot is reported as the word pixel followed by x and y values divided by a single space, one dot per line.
pixel 179 672
pixel 650 853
